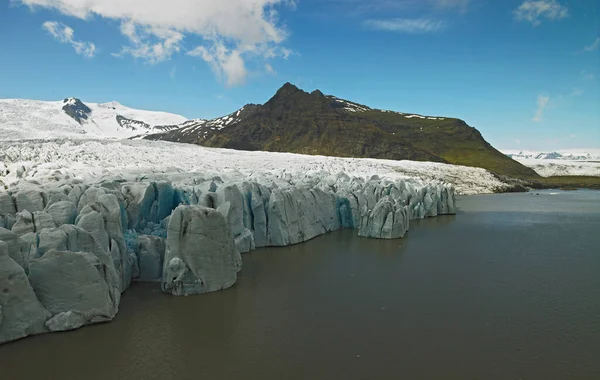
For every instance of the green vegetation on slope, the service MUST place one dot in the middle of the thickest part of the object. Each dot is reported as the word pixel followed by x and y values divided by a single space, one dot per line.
pixel 453 141
pixel 568 182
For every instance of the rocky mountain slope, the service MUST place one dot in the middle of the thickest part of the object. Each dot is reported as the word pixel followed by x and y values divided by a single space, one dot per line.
pixel 22 119
pixel 313 123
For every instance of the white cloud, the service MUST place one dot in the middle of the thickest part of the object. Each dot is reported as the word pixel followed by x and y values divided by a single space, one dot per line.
pixel 270 69
pixel 227 64
pixel 406 25
pixel 66 35
pixel 542 102
pixel 361 6
pixel 152 44
pixel 518 142
pixel 534 10
pixel 594 46
pixel 576 92
pixel 587 75
pixel 173 72
pixel 234 30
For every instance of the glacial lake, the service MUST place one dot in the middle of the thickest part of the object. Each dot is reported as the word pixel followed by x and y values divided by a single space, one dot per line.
pixel 509 288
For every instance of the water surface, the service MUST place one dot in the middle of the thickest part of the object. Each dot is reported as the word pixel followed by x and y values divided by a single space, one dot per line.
pixel 507 289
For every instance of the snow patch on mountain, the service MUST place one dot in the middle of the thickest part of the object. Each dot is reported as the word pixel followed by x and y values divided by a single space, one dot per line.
pixel 202 128
pixel 349 106
pixel 355 107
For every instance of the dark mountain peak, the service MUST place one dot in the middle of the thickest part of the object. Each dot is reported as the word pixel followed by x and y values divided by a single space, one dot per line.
pixel 76 109
pixel 73 102
pixel 291 98
pixel 287 89
pixel 290 85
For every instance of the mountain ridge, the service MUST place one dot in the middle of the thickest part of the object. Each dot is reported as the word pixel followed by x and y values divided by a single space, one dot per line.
pixel 296 121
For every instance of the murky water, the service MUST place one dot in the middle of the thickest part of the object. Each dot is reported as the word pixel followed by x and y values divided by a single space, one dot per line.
pixel 507 289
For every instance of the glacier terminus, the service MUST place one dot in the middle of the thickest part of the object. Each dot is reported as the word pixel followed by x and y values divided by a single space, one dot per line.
pixel 77 228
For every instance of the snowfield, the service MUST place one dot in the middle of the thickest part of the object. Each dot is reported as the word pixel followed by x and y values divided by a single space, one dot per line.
pixel 22 119
pixel 571 162
pixel 94 161
pixel 549 168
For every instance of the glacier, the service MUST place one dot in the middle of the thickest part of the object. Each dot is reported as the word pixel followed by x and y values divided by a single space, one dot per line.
pixel 79 225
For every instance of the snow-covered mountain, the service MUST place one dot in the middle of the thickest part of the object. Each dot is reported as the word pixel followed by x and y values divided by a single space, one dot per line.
pixel 566 162
pixel 23 119
pixel 569 154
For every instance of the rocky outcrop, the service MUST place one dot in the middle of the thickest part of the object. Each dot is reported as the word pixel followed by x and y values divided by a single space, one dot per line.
pixel 76 109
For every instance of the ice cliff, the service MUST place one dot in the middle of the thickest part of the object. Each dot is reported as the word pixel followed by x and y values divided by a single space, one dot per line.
pixel 68 250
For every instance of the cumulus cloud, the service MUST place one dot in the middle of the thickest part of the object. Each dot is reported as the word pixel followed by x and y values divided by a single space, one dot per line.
pixel 153 44
pixel 542 103
pixel 404 25
pixel 234 30
pixel 227 64
pixel 594 46
pixel 534 10
pixel 66 35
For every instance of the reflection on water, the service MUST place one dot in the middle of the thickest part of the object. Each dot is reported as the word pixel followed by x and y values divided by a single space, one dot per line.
pixel 507 289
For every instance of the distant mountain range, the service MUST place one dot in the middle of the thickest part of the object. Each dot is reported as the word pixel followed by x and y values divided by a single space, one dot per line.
pixel 313 123
pixel 571 162
pixel 568 155
pixel 22 119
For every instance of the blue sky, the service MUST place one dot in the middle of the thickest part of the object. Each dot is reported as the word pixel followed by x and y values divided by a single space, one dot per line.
pixel 526 73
